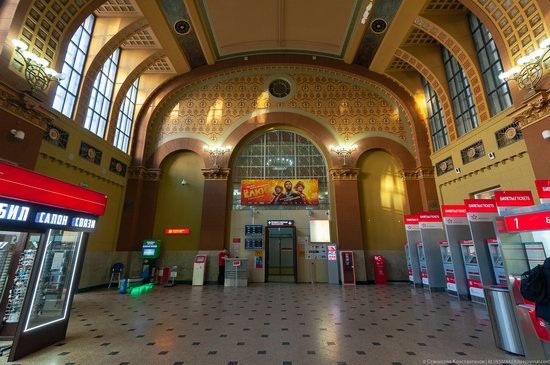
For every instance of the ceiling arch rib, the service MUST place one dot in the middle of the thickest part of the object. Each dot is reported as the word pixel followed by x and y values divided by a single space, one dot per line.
pixel 462 56
pixel 96 63
pixel 436 84
pixel 141 67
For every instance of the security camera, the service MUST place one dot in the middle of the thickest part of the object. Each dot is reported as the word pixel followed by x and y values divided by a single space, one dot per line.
pixel 183 182
pixel 327 212
pixel 457 170
pixel 20 135
pixel 546 134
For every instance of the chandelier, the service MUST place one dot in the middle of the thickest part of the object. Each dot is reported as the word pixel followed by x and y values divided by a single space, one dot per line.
pixel 280 163
pixel 530 69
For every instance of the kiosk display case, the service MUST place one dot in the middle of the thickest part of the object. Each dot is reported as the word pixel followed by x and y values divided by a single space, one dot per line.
pixel 456 230
pixel 524 234
pixel 43 232
pixel 412 231
pixel 429 254
pixel 477 259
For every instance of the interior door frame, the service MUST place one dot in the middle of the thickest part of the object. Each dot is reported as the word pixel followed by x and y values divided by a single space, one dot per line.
pixel 295 261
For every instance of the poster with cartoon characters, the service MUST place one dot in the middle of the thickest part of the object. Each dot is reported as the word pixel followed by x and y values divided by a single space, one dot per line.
pixel 280 192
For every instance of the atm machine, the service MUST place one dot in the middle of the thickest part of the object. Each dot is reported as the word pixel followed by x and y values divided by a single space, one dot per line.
pixel 481 214
pixel 497 261
pixel 412 231
pixel 429 254
pixel 456 229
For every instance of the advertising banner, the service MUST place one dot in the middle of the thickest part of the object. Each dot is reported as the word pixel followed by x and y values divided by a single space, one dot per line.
pixel 280 192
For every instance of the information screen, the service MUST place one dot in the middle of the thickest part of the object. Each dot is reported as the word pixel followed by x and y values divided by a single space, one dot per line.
pixel 150 249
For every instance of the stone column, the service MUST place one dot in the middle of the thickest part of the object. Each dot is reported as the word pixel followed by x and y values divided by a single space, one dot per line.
pixel 534 118
pixel 214 209
pixel 347 216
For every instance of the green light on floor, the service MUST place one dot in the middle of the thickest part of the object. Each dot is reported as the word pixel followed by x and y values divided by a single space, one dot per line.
pixel 138 290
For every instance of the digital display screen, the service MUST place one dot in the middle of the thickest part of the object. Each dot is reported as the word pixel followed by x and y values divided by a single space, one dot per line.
pixel 150 249
pixel 148 252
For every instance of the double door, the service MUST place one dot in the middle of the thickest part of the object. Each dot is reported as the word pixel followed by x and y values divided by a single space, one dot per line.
pixel 281 254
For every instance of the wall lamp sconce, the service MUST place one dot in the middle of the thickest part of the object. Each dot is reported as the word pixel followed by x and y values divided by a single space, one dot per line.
pixel 546 134
pixel 343 152
pixel 530 69
pixel 216 153
pixel 19 135
pixel 37 72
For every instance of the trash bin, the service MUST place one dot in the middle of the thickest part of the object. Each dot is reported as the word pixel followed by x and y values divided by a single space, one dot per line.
pixel 502 317
pixel 123 286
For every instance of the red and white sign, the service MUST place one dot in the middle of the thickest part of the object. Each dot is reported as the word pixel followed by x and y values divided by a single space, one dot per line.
pixel 177 231
pixel 236 263
pixel 25 185
pixel 451 283
pixel 476 289
pixel 454 215
pixel 444 243
pixel 411 278
pixel 425 280
pixel 411 223
pixel 480 210
pixel 528 222
pixel 492 240
pixel 543 188
pixel 200 259
pixel 430 220
pixel 466 242
pixel 508 198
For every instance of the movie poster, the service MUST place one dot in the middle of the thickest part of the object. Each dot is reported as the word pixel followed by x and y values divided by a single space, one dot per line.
pixel 280 192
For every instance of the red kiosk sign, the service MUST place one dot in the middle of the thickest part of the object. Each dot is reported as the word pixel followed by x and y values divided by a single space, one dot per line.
pixel 528 222
pixel 515 198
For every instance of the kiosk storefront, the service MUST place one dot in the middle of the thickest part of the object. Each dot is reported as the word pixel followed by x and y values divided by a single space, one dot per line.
pixel 43 233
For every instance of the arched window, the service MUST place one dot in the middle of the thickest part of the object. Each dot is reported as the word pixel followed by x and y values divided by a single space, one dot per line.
pixel 126 118
pixel 436 119
pixel 461 95
pixel 102 92
pixel 490 65
pixel 75 58
pixel 279 154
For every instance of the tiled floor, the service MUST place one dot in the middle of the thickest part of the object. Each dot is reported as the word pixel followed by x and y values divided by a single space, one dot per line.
pixel 280 324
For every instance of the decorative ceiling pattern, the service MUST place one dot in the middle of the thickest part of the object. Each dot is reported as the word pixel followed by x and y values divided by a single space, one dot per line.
pixel 144 38
pixel 210 108
pixel 398 64
pixel 46 23
pixel 162 65
pixel 118 8
pixel 419 37
pixel 444 5
pixel 520 23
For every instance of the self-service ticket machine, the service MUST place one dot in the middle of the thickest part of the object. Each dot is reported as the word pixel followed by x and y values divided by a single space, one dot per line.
pixel 524 234
pixel 456 229
pixel 347 268
pixel 198 269
pixel 497 261
pixel 429 254
pixel 477 259
pixel 150 252
pixel 412 231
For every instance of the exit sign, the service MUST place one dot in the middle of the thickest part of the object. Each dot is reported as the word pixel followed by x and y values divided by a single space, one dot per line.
pixel 177 231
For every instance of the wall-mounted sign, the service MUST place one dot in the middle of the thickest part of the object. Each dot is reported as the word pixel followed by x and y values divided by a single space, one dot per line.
pixel 279 223
pixel 280 192
pixel 509 198
pixel 18 214
pixel 331 249
pixel 454 215
pixel 528 222
pixel 177 231
pixel 24 185
pixel 543 189
pixel 481 210
pixel 430 220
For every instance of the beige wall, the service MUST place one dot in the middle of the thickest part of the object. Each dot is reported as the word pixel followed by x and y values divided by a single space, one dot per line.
pixel 180 205
pixel 382 196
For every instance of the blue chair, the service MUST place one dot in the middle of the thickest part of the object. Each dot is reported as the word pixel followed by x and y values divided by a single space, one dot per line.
pixel 116 269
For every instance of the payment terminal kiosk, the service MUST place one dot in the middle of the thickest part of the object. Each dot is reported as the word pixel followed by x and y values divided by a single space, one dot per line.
pixel 150 252
pixel 429 254
pixel 198 269
pixel 412 230
pixel 456 229
pixel 473 274
pixel 497 261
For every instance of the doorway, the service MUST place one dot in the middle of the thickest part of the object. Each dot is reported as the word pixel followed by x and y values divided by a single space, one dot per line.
pixel 281 254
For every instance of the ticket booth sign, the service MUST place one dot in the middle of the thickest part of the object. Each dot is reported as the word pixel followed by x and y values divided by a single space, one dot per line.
pixel 543 189
pixel 347 267
pixel 380 276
